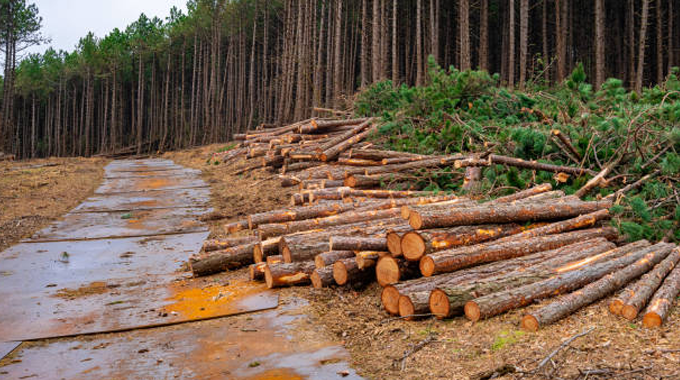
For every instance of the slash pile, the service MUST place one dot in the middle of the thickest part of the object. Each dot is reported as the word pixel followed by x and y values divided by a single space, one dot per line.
pixel 434 254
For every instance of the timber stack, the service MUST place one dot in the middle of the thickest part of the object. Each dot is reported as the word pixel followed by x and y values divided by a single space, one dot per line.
pixel 433 254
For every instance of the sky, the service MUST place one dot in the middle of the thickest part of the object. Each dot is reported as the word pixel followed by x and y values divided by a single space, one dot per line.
pixel 66 21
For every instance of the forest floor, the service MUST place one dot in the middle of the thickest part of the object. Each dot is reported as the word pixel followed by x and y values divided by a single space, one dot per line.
pixel 381 346
pixel 33 193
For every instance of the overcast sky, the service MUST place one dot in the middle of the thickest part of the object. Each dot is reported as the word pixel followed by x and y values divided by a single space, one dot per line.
pixel 66 21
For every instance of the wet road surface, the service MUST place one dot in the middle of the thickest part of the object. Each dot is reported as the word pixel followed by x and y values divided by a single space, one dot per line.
pixel 101 294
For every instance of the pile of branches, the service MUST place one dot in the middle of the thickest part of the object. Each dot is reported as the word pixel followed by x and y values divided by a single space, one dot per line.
pixel 434 254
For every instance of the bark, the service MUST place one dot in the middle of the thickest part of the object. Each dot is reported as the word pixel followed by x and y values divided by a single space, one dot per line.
pixel 265 248
pixel 219 261
pixel 503 213
pixel 416 244
pixel 642 42
pixel 355 243
pixel 511 43
pixel 391 270
pixel 288 274
pixel 592 292
pixel 398 168
pixel 464 33
pixel 368 259
pixel 329 258
pixel 274 259
pixel 218 244
pixel 582 221
pixel 523 40
pixel 663 299
pixel 536 190
pixel 494 304
pixel 346 271
pixel 334 151
pixel 534 165
pixel 322 277
pixel 459 258
pixel 484 35
pixel 600 42
pixel 257 271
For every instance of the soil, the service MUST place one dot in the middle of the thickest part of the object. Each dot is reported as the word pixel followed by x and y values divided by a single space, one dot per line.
pixel 383 347
pixel 33 193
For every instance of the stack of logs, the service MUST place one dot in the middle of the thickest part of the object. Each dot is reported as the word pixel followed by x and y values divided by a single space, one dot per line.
pixel 434 254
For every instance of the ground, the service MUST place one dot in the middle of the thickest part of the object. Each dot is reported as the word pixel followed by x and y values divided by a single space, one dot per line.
pixel 457 348
pixel 34 193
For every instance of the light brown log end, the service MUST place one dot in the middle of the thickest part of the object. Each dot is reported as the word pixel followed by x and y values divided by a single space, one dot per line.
pixel 257 253
pixel 629 312
pixel 340 273
pixel 387 271
pixel 530 323
pixel 412 246
pixel 319 262
pixel 472 311
pixel 257 271
pixel 405 212
pixel 615 306
pixel 439 304
pixel 287 256
pixel 406 308
pixel 651 320
pixel 390 299
pixel 427 266
pixel 394 244
pixel 268 278
pixel 415 221
pixel 317 282
pixel 350 181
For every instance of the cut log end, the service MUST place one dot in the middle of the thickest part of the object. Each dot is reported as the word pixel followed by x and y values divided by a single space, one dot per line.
pixel 268 278
pixel 394 244
pixel 390 299
pixel 615 306
pixel 529 322
pixel 319 262
pixel 405 212
pixel 317 283
pixel 387 271
pixel 629 312
pixel 412 246
pixel 415 221
pixel 406 308
pixel 439 304
pixel 651 320
pixel 340 273
pixel 257 253
pixel 427 266
pixel 287 256
pixel 472 311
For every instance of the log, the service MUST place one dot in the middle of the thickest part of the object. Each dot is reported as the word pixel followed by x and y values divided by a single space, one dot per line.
pixel 257 271
pixel 288 274
pixel 317 184
pixel 274 259
pixel 315 125
pixel 663 299
pixel 237 226
pixel 643 290
pixel 538 189
pixel 571 253
pixel 322 277
pixel 344 192
pixel 503 213
pixel 346 271
pixel 416 244
pixel 368 259
pixel 222 260
pixel 218 244
pixel 334 151
pixel 459 258
pixel 297 213
pixel 391 270
pixel 304 250
pixel 494 304
pixel 265 248
pixel 358 181
pixel 357 130
pixel 449 299
pixel 534 165
pixel 403 160
pixel 565 140
pixel 438 206
pixel 582 221
pixel 377 154
pixel 414 304
pixel 592 292
pixel 394 243
pixel 329 258
pixel 298 166
pixel 357 243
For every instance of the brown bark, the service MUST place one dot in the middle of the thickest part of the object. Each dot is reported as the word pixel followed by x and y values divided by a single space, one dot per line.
pixel 346 271
pixel 534 165
pixel 391 270
pixel 356 243
pixel 538 189
pixel 567 143
pixel 329 258
pixel 574 253
pixel 460 203
pixel 459 258
pixel 322 277
pixel 257 271
pixel 642 42
pixel 357 162
pixel 274 259
pixel 416 244
pixel 494 304
pixel 398 168
pixel 511 43
pixel 600 41
pixel 344 192
pixel 663 299
pixel 233 227
pixel 219 261
pixel 592 292
pixel 265 248
pixel 523 40
pixel 464 33
pixel 334 151
pixel 582 221
pixel 368 259
pixel 288 274
pixel 218 244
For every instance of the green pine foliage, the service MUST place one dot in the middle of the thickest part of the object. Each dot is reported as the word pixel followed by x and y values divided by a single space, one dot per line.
pixel 470 111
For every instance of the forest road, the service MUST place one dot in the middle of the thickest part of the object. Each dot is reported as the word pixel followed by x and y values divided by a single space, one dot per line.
pixel 103 294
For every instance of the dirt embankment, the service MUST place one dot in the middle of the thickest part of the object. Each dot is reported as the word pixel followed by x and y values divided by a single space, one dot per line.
pixel 387 348
pixel 33 193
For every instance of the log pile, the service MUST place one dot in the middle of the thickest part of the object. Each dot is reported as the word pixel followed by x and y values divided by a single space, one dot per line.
pixel 433 254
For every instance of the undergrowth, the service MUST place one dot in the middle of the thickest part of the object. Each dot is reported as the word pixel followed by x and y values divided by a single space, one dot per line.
pixel 470 111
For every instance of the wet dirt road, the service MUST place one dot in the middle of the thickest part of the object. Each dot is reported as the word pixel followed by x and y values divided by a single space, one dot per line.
pixel 101 294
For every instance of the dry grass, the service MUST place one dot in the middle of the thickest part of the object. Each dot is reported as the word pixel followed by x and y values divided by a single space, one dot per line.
pixel 33 193
pixel 461 349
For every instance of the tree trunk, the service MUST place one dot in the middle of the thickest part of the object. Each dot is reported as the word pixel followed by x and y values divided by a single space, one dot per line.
pixel 219 261
pixel 523 40
pixel 420 80
pixel 464 33
pixel 484 35
pixel 511 42
pixel 663 300
pixel 640 71
pixel 288 274
pixel 355 243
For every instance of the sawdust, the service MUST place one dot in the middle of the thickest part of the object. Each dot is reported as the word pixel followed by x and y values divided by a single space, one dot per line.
pixel 34 193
